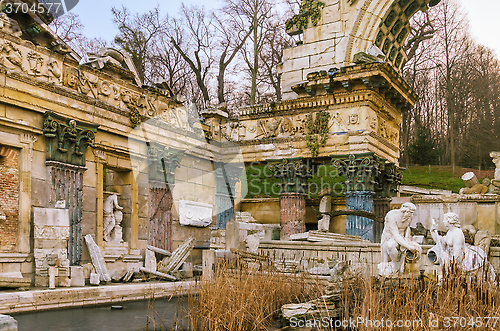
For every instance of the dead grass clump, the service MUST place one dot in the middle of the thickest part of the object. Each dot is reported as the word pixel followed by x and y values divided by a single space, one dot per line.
pixel 247 296
pixel 460 301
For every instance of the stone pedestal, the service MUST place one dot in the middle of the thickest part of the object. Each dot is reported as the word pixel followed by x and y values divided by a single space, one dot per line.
pixel 115 250
pixel 356 225
pixel 51 236
pixel 293 214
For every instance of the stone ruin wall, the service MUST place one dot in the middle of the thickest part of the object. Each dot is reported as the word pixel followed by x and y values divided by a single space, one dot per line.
pixel 34 81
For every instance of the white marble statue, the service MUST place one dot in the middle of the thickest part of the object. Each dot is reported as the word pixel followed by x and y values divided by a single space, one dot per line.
pixel 111 211
pixel 496 160
pixel 396 240
pixel 451 248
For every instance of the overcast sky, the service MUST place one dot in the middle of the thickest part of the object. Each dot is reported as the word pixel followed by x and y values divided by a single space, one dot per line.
pixel 96 16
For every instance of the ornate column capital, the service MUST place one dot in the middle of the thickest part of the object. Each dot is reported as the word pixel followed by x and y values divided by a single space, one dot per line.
pixel 67 139
pixel 368 172
pixel 294 174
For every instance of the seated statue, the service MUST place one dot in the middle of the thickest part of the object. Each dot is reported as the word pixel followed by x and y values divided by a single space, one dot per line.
pixel 451 248
pixel 109 218
pixel 396 241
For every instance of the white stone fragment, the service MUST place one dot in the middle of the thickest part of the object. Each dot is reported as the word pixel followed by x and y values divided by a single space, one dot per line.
pixel 150 260
pixel 77 278
pixel 193 213
pixel 97 259
pixel 94 279
pixel 253 242
pixel 8 323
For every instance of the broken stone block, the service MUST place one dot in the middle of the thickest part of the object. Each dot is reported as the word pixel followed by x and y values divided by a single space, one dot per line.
pixel 470 179
pixel 253 242
pixel 63 281
pixel 77 278
pixel 173 263
pixel 97 259
pixel 193 213
pixel 118 274
pixel 8 323
pixel 150 260
pixel 188 269
pixel 494 189
pixel 88 268
pixel 94 279
pixel 482 240
pixel 159 274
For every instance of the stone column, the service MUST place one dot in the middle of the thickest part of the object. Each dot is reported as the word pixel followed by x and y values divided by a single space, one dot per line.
pixel 100 203
pixel 293 214
pixel 162 163
pixel 294 174
pixel 357 225
pixel 134 214
pixel 368 177
pixel 381 206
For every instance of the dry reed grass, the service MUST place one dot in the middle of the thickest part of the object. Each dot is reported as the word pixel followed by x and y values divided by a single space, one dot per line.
pixel 461 301
pixel 248 296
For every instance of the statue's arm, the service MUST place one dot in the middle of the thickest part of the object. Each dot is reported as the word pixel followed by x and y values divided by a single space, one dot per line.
pixel 394 231
pixel 435 235
pixel 115 204
pixel 408 234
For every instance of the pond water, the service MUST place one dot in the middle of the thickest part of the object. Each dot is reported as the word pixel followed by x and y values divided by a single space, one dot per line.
pixel 133 317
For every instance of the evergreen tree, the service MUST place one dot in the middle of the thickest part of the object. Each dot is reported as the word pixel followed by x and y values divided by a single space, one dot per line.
pixel 424 149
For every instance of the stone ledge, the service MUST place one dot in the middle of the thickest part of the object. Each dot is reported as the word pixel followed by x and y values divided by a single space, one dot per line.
pixel 36 300
pixel 453 198
pixel 13 257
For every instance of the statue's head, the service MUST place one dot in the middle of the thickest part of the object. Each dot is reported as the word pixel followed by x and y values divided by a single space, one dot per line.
pixel 451 220
pixel 408 208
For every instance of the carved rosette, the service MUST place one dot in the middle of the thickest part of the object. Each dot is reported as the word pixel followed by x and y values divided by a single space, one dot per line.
pixel 368 172
pixel 163 161
pixel 67 140
pixel 294 174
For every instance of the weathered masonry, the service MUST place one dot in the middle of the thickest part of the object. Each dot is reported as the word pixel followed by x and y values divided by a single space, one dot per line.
pixel 343 103
pixel 87 149
pixel 67 143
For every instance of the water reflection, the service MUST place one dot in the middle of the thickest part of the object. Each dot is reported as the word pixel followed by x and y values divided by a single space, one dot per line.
pixel 133 317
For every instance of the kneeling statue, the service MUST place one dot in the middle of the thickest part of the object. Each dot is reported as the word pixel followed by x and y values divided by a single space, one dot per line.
pixel 396 241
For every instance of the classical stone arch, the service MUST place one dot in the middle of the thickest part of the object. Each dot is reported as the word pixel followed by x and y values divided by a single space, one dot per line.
pixel 384 24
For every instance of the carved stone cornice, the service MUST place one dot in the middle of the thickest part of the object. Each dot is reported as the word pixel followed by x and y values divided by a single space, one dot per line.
pixel 67 139
pixel 356 83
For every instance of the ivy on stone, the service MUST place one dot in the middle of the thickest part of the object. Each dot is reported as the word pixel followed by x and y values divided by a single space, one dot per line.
pixel 308 9
pixel 317 131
